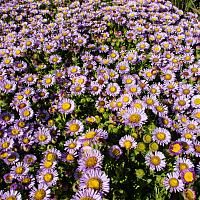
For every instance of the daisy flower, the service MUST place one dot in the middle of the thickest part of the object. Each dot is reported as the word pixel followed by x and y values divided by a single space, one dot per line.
pixel 19 170
pixel 187 176
pixel 90 159
pixel 189 194
pixel 128 142
pixel 42 192
pixel 74 127
pixel 115 151
pixel 183 164
pixel 161 136
pixel 48 80
pixel 196 115
pixel 42 136
pixel 134 117
pixel 52 154
pixel 48 177
pixel 89 194
pixel 156 160
pixel 72 145
pixel 95 179
pixel 66 106
pixel 196 148
pixel 11 194
pixel 195 101
pixel 175 148
pixel 173 183
pixel 113 89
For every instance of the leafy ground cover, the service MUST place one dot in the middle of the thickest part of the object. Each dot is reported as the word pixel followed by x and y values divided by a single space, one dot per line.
pixel 99 100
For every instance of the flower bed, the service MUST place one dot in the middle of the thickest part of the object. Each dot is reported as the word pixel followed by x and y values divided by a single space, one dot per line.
pixel 99 100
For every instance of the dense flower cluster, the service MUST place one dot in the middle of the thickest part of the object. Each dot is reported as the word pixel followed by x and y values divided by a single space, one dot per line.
pixel 92 85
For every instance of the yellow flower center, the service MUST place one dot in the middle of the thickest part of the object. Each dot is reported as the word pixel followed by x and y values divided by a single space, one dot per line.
pixel 11 198
pixel 42 137
pixel 189 194
pixel 197 148
pixel 149 74
pixel 138 105
pixel 197 115
pixel 74 127
pixel 181 102
pixel 48 80
pixel 15 132
pixel 50 156
pixel 26 113
pixel 55 59
pixel 127 144
pixel 94 183
pixel 40 194
pixel 150 101
pixel 19 170
pixel 91 162
pixel 48 164
pixel 122 67
pixel 5 145
pixel 176 148
pixel 168 77
pixel 188 177
pixel 113 89
pixel 133 89
pixel 90 134
pixel 125 99
pixel 186 91
pixel 187 58
pixel 30 79
pixel 8 86
pixel 173 182
pixel 155 160
pixel 48 177
pixel 7 61
pixel 161 136
pixel 87 198
pixel 26 140
pixel 113 55
pixel 69 157
pixel 73 70
pixel 26 180
pixel 119 104
pixel 183 166
pixel 72 145
pixel 129 81
pixel 159 108
pixel 66 106
pixel 116 152
pixel 135 118
pixel 197 101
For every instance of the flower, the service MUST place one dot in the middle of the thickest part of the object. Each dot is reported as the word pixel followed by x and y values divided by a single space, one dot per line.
pixel 175 148
pixel 74 127
pixel 195 101
pixel 128 142
pixel 161 136
pixel 188 175
pixel 173 183
pixel 134 117
pixel 66 106
pixel 156 160
pixel 189 194
pixel 42 192
pixel 48 177
pixel 90 159
pixel 115 151
pixel 95 179
pixel 183 164
pixel 12 194
pixel 87 194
